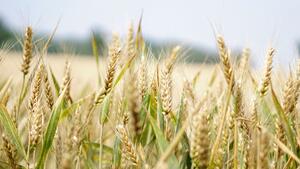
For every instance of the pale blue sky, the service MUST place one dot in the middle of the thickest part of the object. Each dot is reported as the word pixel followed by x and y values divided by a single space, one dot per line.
pixel 252 23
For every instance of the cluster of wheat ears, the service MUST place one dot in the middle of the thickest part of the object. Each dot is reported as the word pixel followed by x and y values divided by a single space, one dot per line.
pixel 130 120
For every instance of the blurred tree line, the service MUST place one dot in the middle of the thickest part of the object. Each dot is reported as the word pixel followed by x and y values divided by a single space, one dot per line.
pixel 5 34
pixel 84 47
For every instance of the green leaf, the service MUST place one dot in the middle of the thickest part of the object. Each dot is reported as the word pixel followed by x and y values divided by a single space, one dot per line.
pixel 56 84
pixel 143 119
pixel 123 71
pixel 185 142
pixel 195 79
pixel 45 48
pixel 68 110
pixel 284 120
pixel 96 55
pixel 160 116
pixel 95 49
pixel 221 127
pixel 117 153
pixel 5 87
pixel 162 142
pixel 146 135
pixel 25 91
pixel 96 146
pixel 105 110
pixel 186 161
pixel 139 41
pixel 179 114
pixel 11 130
pixel 50 131
pixel 213 77
pixel 5 165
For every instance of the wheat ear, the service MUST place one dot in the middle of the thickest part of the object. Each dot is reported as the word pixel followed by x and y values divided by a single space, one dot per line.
pixel 130 49
pixel 10 152
pixel 134 104
pixel 67 81
pixel 128 150
pixel 266 80
pixel 263 161
pixel 27 51
pixel 225 59
pixel 245 59
pixel 143 78
pixel 114 54
pixel 35 122
pixel 166 82
pixel 48 91
pixel 200 144
pixel 289 96
pixel 36 90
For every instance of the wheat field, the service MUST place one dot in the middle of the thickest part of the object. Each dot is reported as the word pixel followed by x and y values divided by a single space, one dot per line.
pixel 131 110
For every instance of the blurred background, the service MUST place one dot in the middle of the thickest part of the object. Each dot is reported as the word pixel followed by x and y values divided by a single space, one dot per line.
pixel 192 23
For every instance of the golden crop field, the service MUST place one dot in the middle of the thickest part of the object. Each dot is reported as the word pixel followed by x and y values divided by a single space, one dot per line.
pixel 131 110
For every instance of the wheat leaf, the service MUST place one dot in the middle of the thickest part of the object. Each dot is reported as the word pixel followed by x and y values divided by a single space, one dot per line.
pixel 51 130
pixel 11 130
